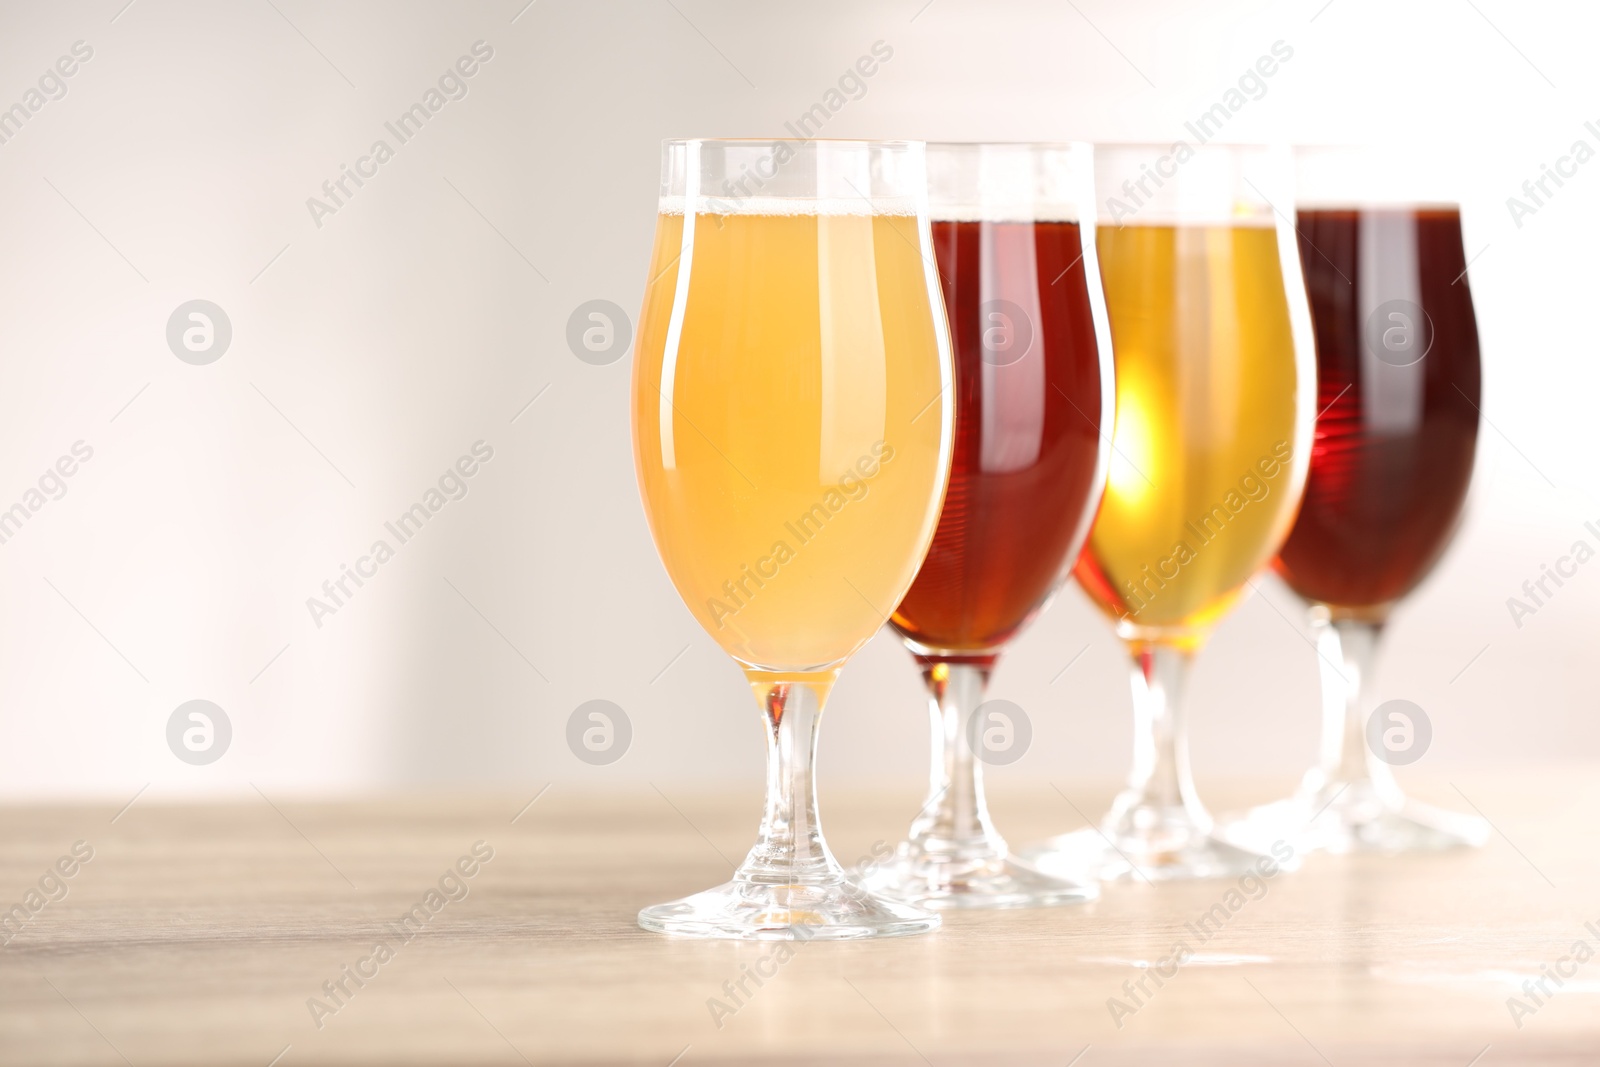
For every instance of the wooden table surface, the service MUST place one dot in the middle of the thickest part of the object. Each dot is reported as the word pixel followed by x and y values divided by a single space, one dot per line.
pixel 197 934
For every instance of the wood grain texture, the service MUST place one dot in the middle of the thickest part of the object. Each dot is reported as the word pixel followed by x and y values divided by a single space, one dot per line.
pixel 197 933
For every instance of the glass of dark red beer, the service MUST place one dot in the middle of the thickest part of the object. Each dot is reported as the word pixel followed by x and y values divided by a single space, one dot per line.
pixel 1399 388
pixel 1013 233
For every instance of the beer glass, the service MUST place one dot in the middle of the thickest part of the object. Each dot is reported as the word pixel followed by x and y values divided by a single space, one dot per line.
pixel 1013 233
pixel 1397 430
pixel 1215 387
pixel 792 434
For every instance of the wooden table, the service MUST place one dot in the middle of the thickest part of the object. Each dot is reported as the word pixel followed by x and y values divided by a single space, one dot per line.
pixel 198 933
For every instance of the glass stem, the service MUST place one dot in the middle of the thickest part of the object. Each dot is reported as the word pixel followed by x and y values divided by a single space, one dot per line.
pixel 1160 792
pixel 790 849
pixel 954 821
pixel 1347 649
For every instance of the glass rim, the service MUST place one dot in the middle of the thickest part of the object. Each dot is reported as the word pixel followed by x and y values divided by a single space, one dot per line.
pixel 1375 176
pixel 1376 204
pixel 784 176
pixel 1010 181
pixel 1167 146
pixel 1078 145
pixel 852 142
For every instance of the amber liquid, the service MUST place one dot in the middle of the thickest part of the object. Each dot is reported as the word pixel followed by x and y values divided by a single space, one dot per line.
pixel 1394 445
pixel 789 429
pixel 1205 476
pixel 1027 472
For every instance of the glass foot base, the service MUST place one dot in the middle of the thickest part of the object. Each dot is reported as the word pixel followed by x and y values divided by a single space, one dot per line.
pixel 996 882
pixel 751 911
pixel 1353 817
pixel 1140 858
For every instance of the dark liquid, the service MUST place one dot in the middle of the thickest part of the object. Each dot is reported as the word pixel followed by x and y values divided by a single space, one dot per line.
pixel 1028 441
pixel 1394 444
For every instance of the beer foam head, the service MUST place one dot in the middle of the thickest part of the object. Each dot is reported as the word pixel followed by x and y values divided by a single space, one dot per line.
pixel 793 177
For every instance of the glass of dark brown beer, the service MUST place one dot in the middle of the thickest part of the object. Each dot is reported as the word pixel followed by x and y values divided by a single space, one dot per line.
pixel 1398 394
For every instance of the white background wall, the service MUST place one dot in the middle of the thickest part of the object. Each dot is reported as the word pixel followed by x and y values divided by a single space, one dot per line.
pixel 376 348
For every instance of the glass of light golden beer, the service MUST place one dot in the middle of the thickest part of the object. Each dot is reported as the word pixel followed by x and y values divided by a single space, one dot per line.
pixel 792 423
pixel 1216 386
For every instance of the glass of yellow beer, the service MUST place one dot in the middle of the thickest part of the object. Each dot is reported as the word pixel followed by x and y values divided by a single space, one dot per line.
pixel 792 417
pixel 1216 391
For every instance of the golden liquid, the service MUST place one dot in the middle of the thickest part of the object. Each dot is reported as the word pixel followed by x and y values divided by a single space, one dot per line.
pixel 790 430
pixel 1204 480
